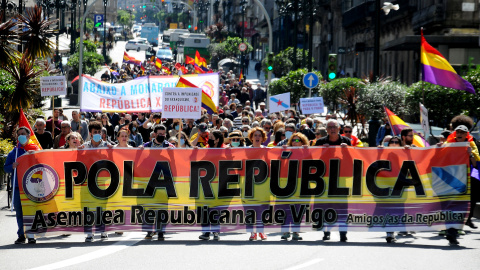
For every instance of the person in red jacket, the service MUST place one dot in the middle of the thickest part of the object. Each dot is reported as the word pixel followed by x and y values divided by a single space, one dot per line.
pixel 348 132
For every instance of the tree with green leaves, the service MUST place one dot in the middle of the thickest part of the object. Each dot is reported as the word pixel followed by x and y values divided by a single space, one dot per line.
pixel 383 93
pixel 332 91
pixel 124 18
pixel 231 46
pixel 293 83
pixel 91 59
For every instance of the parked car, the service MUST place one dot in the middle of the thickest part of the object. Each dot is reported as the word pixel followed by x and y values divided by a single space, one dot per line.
pixel 136 28
pixel 137 44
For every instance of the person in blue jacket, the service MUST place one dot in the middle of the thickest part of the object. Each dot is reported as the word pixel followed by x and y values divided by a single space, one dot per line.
pixel 382 132
pixel 23 145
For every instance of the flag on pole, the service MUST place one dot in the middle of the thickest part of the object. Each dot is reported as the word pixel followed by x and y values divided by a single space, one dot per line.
pixel 130 60
pixel 158 64
pixel 437 70
pixel 166 70
pixel 189 60
pixel 398 124
pixel 142 68
pixel 279 102
pixel 207 102
pixel 241 75
pixel 33 143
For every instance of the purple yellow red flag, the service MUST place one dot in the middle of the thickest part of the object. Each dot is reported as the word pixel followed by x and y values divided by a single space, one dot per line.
pixel 130 60
pixel 207 102
pixel 189 60
pixel 437 70
pixel 398 124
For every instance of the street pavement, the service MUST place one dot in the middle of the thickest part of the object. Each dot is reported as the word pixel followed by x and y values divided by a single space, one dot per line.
pixel 363 250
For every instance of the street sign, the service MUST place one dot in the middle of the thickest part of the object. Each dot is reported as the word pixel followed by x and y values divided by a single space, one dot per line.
pixel 342 50
pixel 310 80
pixel 242 47
pixel 98 20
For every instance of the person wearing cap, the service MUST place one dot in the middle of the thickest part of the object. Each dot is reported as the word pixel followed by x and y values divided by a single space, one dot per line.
pixel 236 139
pixel 200 139
pixel 461 134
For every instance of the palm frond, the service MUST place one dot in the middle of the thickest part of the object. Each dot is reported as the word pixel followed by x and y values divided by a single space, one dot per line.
pixel 8 41
pixel 37 33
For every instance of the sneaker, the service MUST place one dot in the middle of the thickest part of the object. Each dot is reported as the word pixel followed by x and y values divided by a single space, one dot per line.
pixel 150 235
pixel 262 236
pixel 89 238
pixel 343 237
pixel 390 238
pixel 452 240
pixel 118 233
pixel 442 232
pixel 66 235
pixel 161 237
pixel 20 240
pixel 470 224
pixel 285 236
pixel 216 237
pixel 253 236
pixel 205 236
pixel 326 236
pixel 461 232
pixel 104 236
pixel 32 241
pixel 296 236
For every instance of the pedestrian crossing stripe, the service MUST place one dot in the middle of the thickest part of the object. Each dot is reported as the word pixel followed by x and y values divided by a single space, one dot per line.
pixel 449 180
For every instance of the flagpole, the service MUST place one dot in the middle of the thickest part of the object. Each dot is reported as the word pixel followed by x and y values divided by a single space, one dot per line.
pixel 53 117
pixel 423 82
pixel 13 181
pixel 388 118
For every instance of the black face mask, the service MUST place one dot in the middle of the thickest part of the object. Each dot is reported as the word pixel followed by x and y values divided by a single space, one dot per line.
pixel 211 142
pixel 160 138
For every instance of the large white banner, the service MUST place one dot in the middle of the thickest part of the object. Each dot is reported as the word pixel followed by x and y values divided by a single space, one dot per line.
pixel 182 103
pixel 53 86
pixel 143 94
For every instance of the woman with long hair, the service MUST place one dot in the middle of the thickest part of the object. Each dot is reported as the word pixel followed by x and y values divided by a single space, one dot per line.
pixel 106 124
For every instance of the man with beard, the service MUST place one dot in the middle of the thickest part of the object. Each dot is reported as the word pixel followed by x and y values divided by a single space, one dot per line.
pixel 407 137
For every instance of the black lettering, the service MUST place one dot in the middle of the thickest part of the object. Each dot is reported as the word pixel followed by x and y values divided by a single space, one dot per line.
pixel 195 168
pixel 333 178
pixel 224 178
pixel 81 176
pixel 88 217
pixel 136 214
pixel 409 169
pixel 38 220
pixel 251 177
pixel 128 190
pixel 162 169
pixel 291 185
pixel 107 217
pixel 149 217
pixel 372 171
pixel 316 176
pixel 95 169
pixel 357 177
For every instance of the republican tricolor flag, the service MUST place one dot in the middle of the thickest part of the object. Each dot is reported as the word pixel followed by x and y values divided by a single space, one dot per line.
pixel 437 70
pixel 397 124
pixel 33 143
pixel 207 102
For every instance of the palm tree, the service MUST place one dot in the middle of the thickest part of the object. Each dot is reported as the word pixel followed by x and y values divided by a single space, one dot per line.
pixel 37 33
pixel 8 40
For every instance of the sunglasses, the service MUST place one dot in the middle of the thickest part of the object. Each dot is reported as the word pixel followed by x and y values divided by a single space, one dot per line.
pixel 244 121
pixel 235 140
pixel 283 135
pixel 296 140
pixel 347 131
pixel 394 142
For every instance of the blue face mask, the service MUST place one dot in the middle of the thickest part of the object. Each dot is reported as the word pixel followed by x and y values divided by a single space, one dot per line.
pixel 288 134
pixel 235 144
pixel 182 141
pixel 22 139
pixel 134 129
pixel 177 127
pixel 97 138
pixel 314 125
pixel 385 144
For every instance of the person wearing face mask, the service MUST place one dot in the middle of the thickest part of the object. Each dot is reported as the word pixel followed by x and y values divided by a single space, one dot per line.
pixel 236 139
pixel 245 129
pixel 289 130
pixel 95 130
pixel 23 146
pixel 176 128
pixel 184 142
pixel 134 134
pixel 215 140
pixel 159 141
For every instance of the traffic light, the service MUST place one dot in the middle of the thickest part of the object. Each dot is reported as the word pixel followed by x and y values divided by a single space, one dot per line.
pixel 189 26
pixel 195 28
pixel 144 6
pixel 332 66
pixel 270 61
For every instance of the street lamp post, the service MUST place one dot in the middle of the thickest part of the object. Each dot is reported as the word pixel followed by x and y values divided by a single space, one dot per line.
pixel 242 54
pixel 104 30
pixel 376 45
pixel 73 36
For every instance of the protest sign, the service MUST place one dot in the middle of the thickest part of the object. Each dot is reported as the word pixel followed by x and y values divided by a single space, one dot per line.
pixel 143 94
pixel 312 105
pixel 182 102
pixel 245 189
pixel 424 121
pixel 53 86
pixel 279 102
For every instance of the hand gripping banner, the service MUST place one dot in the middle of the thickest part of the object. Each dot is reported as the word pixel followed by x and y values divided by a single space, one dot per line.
pixel 245 189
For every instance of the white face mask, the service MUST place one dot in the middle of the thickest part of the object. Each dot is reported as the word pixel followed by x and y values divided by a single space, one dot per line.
pixel 289 114
pixel 288 134
pixel 245 134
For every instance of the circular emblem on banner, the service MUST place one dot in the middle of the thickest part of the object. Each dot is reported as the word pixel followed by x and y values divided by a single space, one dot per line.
pixel 208 88
pixel 40 183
